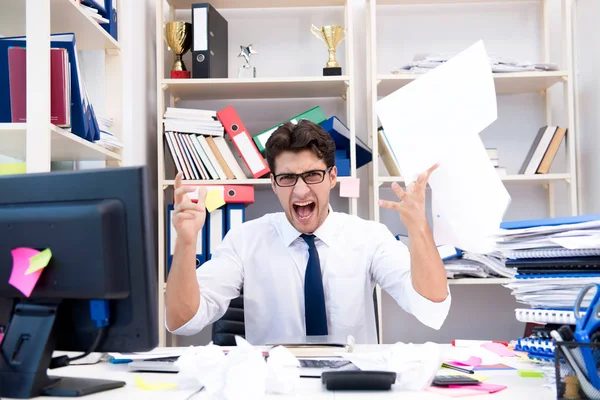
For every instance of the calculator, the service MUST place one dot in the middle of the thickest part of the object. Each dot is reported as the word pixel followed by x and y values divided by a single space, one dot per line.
pixel 447 380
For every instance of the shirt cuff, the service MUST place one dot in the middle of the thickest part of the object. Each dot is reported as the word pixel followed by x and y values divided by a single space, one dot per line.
pixel 430 313
pixel 195 324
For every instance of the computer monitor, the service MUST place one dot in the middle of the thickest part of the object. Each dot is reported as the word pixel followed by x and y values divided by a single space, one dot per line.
pixel 99 290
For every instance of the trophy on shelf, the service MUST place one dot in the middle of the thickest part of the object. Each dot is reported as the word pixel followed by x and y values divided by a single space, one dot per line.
pixel 247 70
pixel 179 39
pixel 332 36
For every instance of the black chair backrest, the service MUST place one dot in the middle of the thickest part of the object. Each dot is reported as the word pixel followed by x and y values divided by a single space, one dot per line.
pixel 231 324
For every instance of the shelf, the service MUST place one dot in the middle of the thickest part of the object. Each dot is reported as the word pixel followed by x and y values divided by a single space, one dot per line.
pixel 64 145
pixel 506 83
pixel 66 17
pixel 257 88
pixel 258 182
pixel 415 2
pixel 538 178
pixel 187 4
pixel 478 281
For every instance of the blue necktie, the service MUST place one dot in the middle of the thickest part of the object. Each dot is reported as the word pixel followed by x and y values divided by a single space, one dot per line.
pixel 314 298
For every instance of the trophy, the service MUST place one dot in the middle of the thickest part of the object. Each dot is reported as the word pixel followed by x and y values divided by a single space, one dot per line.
pixel 331 35
pixel 179 39
pixel 247 70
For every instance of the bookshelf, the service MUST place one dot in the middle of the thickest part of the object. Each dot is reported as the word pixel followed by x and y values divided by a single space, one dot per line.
pixel 38 142
pixel 287 85
pixel 552 86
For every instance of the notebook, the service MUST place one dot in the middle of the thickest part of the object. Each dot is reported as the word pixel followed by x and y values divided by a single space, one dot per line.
pixel 556 252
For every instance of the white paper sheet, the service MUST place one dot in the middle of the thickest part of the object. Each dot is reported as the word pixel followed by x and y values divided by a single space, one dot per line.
pixel 437 118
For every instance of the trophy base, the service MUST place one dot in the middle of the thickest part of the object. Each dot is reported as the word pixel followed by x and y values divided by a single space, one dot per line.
pixel 332 71
pixel 247 72
pixel 181 74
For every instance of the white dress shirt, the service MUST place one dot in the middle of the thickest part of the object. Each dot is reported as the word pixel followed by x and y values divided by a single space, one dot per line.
pixel 268 258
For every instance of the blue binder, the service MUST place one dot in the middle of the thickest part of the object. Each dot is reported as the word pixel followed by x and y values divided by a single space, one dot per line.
pixel 235 215
pixel 83 118
pixel 201 252
pixel 530 223
pixel 341 136
pixel 111 15
pixel 215 230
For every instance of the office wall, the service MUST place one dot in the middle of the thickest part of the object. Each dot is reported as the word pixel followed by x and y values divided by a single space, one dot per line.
pixel 511 30
pixel 588 65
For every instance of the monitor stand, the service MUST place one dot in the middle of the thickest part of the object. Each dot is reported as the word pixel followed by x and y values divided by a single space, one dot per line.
pixel 25 356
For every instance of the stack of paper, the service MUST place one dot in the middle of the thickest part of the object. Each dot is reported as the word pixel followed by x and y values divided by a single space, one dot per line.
pixel 479 266
pixel 554 258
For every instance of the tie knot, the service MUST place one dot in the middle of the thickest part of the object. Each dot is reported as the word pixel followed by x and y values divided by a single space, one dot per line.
pixel 309 239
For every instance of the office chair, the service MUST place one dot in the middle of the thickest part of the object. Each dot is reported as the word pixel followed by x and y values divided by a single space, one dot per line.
pixel 232 322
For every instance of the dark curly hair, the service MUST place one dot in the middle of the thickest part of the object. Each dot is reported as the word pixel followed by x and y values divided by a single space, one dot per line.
pixel 305 135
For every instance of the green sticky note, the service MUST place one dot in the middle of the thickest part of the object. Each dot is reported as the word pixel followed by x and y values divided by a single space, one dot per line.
pixel 214 200
pixel 39 261
pixel 530 374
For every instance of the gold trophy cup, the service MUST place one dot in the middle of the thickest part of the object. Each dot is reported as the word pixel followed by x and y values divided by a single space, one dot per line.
pixel 332 36
pixel 178 36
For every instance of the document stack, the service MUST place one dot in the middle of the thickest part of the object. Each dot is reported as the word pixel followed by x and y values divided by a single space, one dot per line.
pixel 477 266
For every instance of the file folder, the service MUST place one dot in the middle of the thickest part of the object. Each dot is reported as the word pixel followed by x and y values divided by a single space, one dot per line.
pixel 231 193
pixel 215 230
pixel 201 252
pixel 210 42
pixel 111 15
pixel 242 141
pixel 83 119
pixel 236 215
pixel 341 136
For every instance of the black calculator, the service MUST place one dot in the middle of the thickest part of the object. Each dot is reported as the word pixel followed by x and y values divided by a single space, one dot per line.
pixel 446 380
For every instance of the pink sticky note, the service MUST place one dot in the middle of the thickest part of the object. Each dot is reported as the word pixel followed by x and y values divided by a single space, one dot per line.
pixel 18 279
pixel 471 362
pixel 350 187
pixel 499 349
pixel 482 387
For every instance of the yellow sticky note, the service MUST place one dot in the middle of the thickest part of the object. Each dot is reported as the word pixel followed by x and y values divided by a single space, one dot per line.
pixel 142 384
pixel 39 261
pixel 214 200
pixel 480 378
pixel 350 187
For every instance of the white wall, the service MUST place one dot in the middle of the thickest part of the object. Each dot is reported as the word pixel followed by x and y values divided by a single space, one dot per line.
pixel 286 48
pixel 588 65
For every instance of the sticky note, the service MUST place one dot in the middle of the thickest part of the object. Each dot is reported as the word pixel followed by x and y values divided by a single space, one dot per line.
pixel 471 362
pixel 154 386
pixel 39 261
pixel 498 349
pixel 530 374
pixel 214 200
pixel 21 261
pixel 350 187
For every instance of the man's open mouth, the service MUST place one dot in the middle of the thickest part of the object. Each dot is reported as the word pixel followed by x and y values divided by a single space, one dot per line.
pixel 304 209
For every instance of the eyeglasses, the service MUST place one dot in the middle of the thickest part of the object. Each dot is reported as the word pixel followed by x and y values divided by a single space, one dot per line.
pixel 309 177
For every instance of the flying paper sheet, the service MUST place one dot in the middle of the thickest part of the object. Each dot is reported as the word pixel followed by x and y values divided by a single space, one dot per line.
pixel 21 262
pixel 437 118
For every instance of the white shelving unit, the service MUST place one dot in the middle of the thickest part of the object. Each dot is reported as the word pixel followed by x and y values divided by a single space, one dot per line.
pixel 171 91
pixel 380 84
pixel 38 142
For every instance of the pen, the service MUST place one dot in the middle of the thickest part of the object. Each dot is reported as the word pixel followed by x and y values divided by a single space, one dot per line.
pixel 459 369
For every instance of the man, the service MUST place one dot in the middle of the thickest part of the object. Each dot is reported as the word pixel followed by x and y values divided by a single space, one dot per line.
pixel 307 270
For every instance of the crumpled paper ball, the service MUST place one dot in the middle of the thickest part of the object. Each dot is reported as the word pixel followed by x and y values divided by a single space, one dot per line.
pixel 241 374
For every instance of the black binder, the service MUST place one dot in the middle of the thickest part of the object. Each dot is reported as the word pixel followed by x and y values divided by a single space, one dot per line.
pixel 209 48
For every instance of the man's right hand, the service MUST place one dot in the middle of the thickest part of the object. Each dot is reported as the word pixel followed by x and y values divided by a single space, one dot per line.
pixel 188 217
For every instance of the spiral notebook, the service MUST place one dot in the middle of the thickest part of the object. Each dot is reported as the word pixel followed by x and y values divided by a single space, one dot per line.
pixel 551 253
pixel 543 316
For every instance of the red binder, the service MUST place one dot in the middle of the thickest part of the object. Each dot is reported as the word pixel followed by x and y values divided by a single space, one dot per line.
pixel 243 194
pixel 243 142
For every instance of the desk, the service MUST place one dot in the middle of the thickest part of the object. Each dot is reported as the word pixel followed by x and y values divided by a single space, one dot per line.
pixel 311 388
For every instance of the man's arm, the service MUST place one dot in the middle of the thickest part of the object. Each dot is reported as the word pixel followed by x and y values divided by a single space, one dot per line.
pixel 427 268
pixel 182 297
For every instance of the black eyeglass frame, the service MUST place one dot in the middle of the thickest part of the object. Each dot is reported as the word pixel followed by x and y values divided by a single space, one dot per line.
pixel 303 175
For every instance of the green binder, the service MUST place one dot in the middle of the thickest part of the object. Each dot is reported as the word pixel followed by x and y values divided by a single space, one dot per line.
pixel 315 115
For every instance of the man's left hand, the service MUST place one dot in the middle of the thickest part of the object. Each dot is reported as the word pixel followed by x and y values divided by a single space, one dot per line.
pixel 412 201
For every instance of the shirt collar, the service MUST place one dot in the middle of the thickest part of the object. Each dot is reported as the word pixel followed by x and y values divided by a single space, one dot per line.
pixel 325 233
